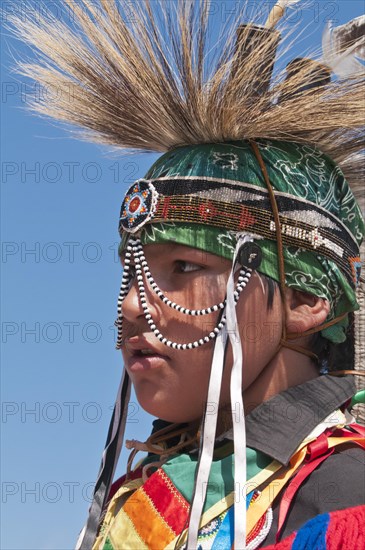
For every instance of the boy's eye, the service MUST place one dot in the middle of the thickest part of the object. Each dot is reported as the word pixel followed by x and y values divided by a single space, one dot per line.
pixel 187 267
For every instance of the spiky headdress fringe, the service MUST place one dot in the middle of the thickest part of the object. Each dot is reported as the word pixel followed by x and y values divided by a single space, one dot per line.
pixel 140 76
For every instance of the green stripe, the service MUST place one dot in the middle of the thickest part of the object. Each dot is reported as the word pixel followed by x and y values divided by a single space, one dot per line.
pixel 181 471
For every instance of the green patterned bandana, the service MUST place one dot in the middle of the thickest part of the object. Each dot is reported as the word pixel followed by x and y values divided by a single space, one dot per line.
pixel 321 223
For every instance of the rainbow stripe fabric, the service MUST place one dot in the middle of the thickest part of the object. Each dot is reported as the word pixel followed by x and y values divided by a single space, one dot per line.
pixel 152 513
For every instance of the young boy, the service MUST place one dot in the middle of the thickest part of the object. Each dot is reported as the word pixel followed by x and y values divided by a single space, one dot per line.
pixel 290 406
pixel 241 261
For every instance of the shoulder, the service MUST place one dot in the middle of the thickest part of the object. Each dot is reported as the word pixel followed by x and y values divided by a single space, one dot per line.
pixel 338 483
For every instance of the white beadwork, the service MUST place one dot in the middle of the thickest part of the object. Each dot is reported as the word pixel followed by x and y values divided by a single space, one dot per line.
pixel 135 248
pixel 261 536
pixel 124 289
pixel 242 280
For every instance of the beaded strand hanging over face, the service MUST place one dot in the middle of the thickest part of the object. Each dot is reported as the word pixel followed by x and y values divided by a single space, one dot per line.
pixel 134 249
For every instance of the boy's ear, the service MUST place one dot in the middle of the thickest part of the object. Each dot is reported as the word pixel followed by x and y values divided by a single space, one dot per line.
pixel 304 311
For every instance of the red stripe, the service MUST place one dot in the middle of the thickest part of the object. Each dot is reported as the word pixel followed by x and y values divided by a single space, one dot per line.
pixel 167 500
pixel 293 487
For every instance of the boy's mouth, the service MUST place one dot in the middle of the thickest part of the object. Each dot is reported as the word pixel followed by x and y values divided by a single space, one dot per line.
pixel 144 355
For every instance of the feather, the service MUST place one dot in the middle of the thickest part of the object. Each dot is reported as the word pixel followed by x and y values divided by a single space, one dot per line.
pixel 344 47
pixel 278 12
pixel 111 72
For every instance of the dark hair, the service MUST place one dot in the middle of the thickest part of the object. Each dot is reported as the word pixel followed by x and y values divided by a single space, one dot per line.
pixel 272 287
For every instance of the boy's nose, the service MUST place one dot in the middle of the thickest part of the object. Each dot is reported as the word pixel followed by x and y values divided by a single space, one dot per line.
pixel 132 309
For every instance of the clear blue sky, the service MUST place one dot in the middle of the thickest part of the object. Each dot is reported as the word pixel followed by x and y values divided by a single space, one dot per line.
pixel 60 372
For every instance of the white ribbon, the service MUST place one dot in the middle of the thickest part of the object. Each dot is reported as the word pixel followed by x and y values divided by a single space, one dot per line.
pixel 239 428
pixel 210 422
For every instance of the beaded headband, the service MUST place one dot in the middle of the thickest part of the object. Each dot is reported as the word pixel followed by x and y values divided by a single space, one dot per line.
pixel 209 201
pixel 204 195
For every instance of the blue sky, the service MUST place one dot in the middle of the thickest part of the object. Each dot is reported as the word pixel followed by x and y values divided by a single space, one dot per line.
pixel 60 371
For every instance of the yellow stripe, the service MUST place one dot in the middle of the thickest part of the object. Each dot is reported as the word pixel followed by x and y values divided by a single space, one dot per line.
pixel 123 535
pixel 259 507
pixel 333 441
pixel 110 515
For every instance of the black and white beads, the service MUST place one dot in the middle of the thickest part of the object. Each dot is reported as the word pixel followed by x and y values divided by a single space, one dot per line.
pixel 135 249
pixel 124 289
pixel 241 283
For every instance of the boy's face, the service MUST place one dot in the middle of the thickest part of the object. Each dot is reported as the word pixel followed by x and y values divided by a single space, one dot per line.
pixel 172 384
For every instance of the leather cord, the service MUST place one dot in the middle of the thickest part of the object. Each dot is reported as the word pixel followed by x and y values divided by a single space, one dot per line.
pixel 281 266
pixel 279 240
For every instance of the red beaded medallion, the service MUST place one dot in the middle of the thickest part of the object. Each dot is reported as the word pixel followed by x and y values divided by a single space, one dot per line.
pixel 138 207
